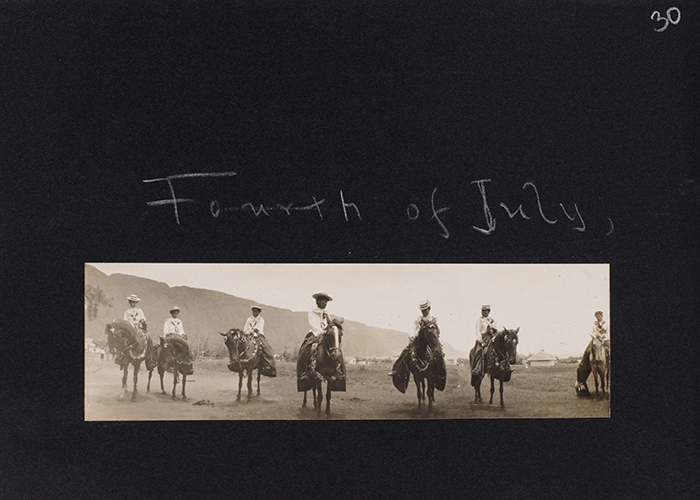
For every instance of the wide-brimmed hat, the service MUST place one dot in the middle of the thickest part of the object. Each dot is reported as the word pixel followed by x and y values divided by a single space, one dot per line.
pixel 597 313
pixel 174 308
pixel 133 298
pixel 256 306
pixel 322 295
pixel 486 306
pixel 425 305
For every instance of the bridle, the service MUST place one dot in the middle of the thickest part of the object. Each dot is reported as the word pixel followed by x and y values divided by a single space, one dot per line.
pixel 500 355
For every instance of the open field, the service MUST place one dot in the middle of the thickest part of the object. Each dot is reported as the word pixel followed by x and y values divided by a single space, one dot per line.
pixel 531 393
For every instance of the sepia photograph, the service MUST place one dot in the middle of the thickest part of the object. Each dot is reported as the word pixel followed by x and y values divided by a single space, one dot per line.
pixel 346 341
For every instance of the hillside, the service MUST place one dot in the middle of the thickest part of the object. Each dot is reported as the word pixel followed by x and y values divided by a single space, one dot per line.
pixel 206 312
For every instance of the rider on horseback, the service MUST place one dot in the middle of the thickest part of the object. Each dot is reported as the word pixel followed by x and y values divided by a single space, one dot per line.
pixel 135 316
pixel 255 326
pixel 600 331
pixel 401 364
pixel 319 320
pixel 486 329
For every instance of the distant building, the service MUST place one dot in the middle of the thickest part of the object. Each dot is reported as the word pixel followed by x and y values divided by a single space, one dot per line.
pixel 541 359
pixel 350 361
pixel 451 361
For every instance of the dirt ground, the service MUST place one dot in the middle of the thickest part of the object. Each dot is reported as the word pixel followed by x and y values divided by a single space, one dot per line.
pixel 212 389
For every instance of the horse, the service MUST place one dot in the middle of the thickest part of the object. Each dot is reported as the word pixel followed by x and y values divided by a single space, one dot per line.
pixel 129 346
pixel 600 364
pixel 426 362
pixel 500 355
pixel 329 365
pixel 176 357
pixel 246 355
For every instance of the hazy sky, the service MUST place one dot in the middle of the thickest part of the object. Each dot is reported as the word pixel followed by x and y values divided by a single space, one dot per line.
pixel 553 304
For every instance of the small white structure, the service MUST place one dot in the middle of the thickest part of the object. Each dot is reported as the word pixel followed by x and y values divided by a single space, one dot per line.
pixel 88 343
pixel 541 359
pixel 450 361
pixel 350 361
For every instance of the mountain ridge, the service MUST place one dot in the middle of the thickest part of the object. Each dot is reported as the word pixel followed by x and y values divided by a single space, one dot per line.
pixel 206 312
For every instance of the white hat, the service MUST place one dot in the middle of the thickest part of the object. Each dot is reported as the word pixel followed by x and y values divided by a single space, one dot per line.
pixel 174 308
pixel 322 295
pixel 425 305
pixel 133 298
pixel 486 306
pixel 256 306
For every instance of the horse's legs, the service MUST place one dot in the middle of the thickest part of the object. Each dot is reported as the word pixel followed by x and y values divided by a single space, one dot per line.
pixel 175 377
pixel 431 393
pixel 148 386
pixel 328 398
pixel 418 390
pixel 125 369
pixel 162 387
pixel 136 380
pixel 258 381
pixel 303 405
pixel 595 377
pixel 493 389
pixel 184 382
pixel 501 391
pixel 250 385
pixel 240 385
pixel 319 391
pixel 318 396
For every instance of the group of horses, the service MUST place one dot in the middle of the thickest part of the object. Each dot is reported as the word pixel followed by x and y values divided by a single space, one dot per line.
pixel 425 361
pixel 321 359
pixel 130 346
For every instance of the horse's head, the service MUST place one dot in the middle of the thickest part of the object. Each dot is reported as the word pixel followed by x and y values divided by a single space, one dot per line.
pixel 509 339
pixel 332 338
pixel 119 335
pixel 233 339
pixel 429 332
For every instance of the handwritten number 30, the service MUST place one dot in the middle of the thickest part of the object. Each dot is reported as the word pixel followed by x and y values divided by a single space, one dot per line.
pixel 669 18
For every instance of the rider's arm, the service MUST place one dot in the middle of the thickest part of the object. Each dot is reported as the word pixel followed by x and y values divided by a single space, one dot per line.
pixel 260 326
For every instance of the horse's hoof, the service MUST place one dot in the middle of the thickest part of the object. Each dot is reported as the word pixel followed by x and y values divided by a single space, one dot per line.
pixel 133 398
pixel 174 398
pixel 185 398
pixel 121 398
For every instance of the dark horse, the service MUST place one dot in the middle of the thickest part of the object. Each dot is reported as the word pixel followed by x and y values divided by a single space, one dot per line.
pixel 425 361
pixel 174 355
pixel 329 365
pixel 501 354
pixel 129 347
pixel 600 364
pixel 246 355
